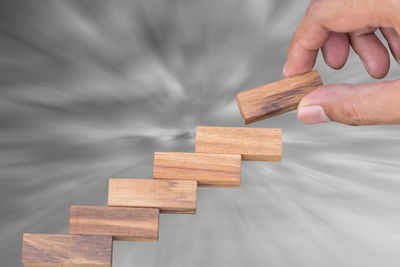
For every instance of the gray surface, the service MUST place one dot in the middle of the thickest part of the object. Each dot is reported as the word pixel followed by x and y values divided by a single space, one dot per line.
pixel 89 89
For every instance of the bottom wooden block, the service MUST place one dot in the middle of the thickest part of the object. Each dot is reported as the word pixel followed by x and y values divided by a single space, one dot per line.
pixel 126 224
pixel 56 250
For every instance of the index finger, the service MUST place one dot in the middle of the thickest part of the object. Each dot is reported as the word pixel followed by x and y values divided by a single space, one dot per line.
pixel 303 49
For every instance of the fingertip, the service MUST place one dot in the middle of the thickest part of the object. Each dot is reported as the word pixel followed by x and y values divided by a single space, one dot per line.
pixel 299 61
pixel 373 54
pixel 377 69
pixel 319 105
pixel 336 50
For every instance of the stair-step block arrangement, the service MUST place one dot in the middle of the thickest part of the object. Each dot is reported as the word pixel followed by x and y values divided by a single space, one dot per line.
pixel 134 205
pixel 170 196
pixel 276 98
pixel 217 170
pixel 124 224
pixel 258 144
pixel 55 250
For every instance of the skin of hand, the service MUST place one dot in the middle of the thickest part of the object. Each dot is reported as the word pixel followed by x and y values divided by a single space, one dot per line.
pixel 334 26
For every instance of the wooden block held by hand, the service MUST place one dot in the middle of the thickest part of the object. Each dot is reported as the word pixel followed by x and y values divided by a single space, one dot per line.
pixel 54 250
pixel 126 224
pixel 220 170
pixel 170 196
pixel 259 144
pixel 276 98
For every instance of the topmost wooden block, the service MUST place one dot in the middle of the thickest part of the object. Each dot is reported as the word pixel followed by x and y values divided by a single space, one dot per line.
pixel 259 144
pixel 276 98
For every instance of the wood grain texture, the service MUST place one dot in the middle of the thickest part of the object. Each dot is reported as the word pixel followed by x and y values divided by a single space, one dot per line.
pixel 66 250
pixel 259 144
pixel 221 170
pixel 170 196
pixel 276 98
pixel 126 224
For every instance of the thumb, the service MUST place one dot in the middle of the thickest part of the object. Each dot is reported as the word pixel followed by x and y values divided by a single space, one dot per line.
pixel 364 104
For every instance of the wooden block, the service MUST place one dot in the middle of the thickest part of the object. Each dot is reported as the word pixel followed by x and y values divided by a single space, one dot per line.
pixel 260 144
pixel 170 196
pixel 276 98
pixel 126 224
pixel 66 250
pixel 221 170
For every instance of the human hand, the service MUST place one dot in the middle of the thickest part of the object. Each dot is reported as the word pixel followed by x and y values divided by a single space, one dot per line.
pixel 334 26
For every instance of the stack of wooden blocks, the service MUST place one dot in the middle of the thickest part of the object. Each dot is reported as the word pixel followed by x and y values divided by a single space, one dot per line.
pixel 134 205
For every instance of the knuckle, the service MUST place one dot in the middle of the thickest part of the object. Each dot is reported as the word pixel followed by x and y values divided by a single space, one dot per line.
pixel 315 6
pixel 320 6
pixel 353 112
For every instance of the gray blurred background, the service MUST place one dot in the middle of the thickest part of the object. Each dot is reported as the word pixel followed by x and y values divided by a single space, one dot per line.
pixel 90 89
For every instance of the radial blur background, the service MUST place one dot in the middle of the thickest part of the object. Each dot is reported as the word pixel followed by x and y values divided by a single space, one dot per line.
pixel 90 89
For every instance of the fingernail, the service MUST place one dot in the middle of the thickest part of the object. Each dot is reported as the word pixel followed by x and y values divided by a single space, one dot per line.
pixel 283 71
pixel 312 114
